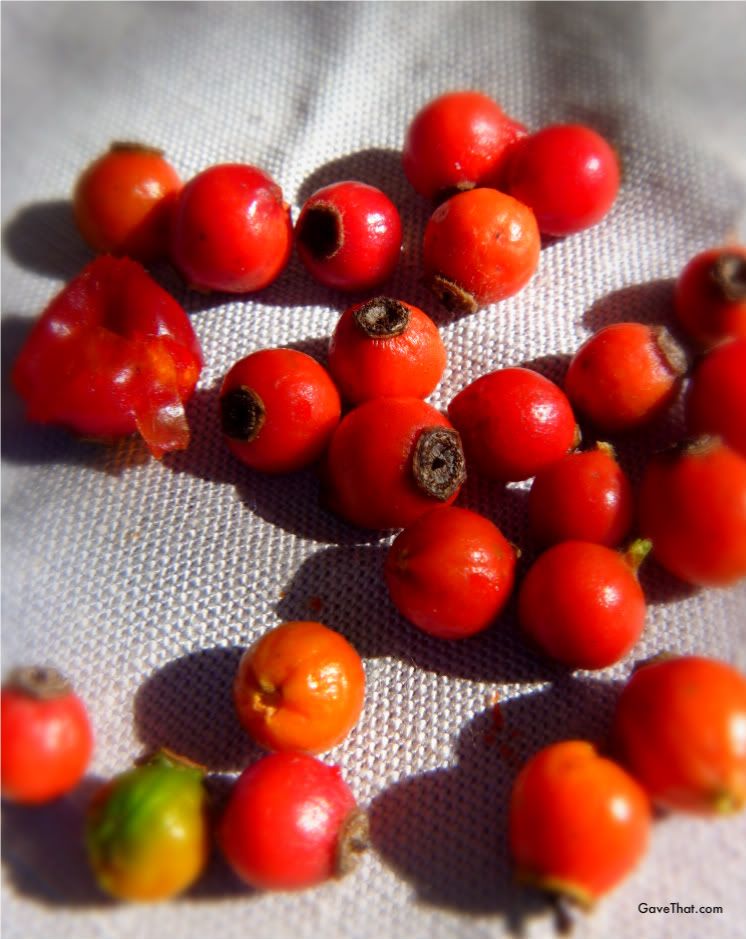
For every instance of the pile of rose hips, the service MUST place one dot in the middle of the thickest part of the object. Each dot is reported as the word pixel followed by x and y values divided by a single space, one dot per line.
pixel 114 354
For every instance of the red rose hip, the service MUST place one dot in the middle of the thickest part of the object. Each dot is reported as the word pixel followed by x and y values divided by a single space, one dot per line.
pixel 390 460
pixel 278 409
pixel 692 505
pixel 291 822
pixel 582 604
pixel 568 174
pixel 349 236
pixel 231 230
pixel 457 141
pixel 386 348
pixel 479 247
pixel 710 295
pixel 513 422
pixel 450 572
pixel 716 396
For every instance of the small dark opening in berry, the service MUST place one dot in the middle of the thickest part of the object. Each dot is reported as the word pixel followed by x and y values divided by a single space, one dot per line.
pixel 438 463
pixel 320 231
pixel 242 414
pixel 382 318
pixel 729 274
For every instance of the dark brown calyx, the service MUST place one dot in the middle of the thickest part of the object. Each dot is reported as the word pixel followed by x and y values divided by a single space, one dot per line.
pixel 131 146
pixel 729 275
pixel 39 682
pixel 673 355
pixel 382 318
pixel 242 414
pixel 320 230
pixel 453 297
pixel 438 463
pixel 354 839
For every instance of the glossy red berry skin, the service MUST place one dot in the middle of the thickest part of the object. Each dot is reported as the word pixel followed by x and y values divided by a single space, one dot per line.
pixel 390 460
pixel 285 824
pixel 583 496
pixel 716 396
pixel 710 295
pixel 479 247
pixel 450 572
pixel 232 230
pixel 458 141
pixel 278 408
pixel 625 375
pixel 678 728
pixel 513 422
pixel 692 505
pixel 578 822
pixel 581 603
pixel 386 348
pixel 349 236
pixel 47 739
pixel 568 174
pixel 123 202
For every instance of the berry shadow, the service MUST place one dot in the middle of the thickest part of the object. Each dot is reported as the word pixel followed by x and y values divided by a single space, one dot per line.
pixel 43 851
pixel 344 588
pixel 445 831
pixel 207 731
pixel 650 303
pixel 42 237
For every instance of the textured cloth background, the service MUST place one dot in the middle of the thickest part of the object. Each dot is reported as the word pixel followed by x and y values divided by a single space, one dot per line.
pixel 144 581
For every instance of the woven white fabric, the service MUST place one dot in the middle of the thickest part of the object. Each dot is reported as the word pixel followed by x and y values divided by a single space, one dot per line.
pixel 143 581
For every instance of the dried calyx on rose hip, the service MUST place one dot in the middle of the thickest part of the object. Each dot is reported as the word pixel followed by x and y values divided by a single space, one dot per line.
pixel 231 230
pixel 113 354
pixel 390 460
pixel 582 603
pixel 147 832
pixel 46 741
pixel 457 141
pixel 278 409
pixel 710 295
pixel 479 247
pixel 679 730
pixel 349 236
pixel 291 822
pixel 692 505
pixel 123 202
pixel 386 348
pixel 578 823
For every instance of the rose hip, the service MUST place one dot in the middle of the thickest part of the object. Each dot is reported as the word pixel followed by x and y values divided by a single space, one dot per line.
pixel 716 396
pixel 710 295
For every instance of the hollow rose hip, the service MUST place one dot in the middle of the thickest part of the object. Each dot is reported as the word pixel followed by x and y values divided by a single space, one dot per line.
pixel 147 833
pixel 349 236
pixel 583 496
pixel 291 822
pixel 582 604
pixel 390 460
pixel 231 229
pixel 568 174
pixel 123 202
pixel 47 738
pixel 299 687
pixel 679 729
pixel 457 141
pixel 513 422
pixel 578 823
pixel 113 354
pixel 386 348
pixel 479 247
pixel 692 505
pixel 450 572
pixel 716 396
pixel 710 295
pixel 278 409
pixel 625 375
